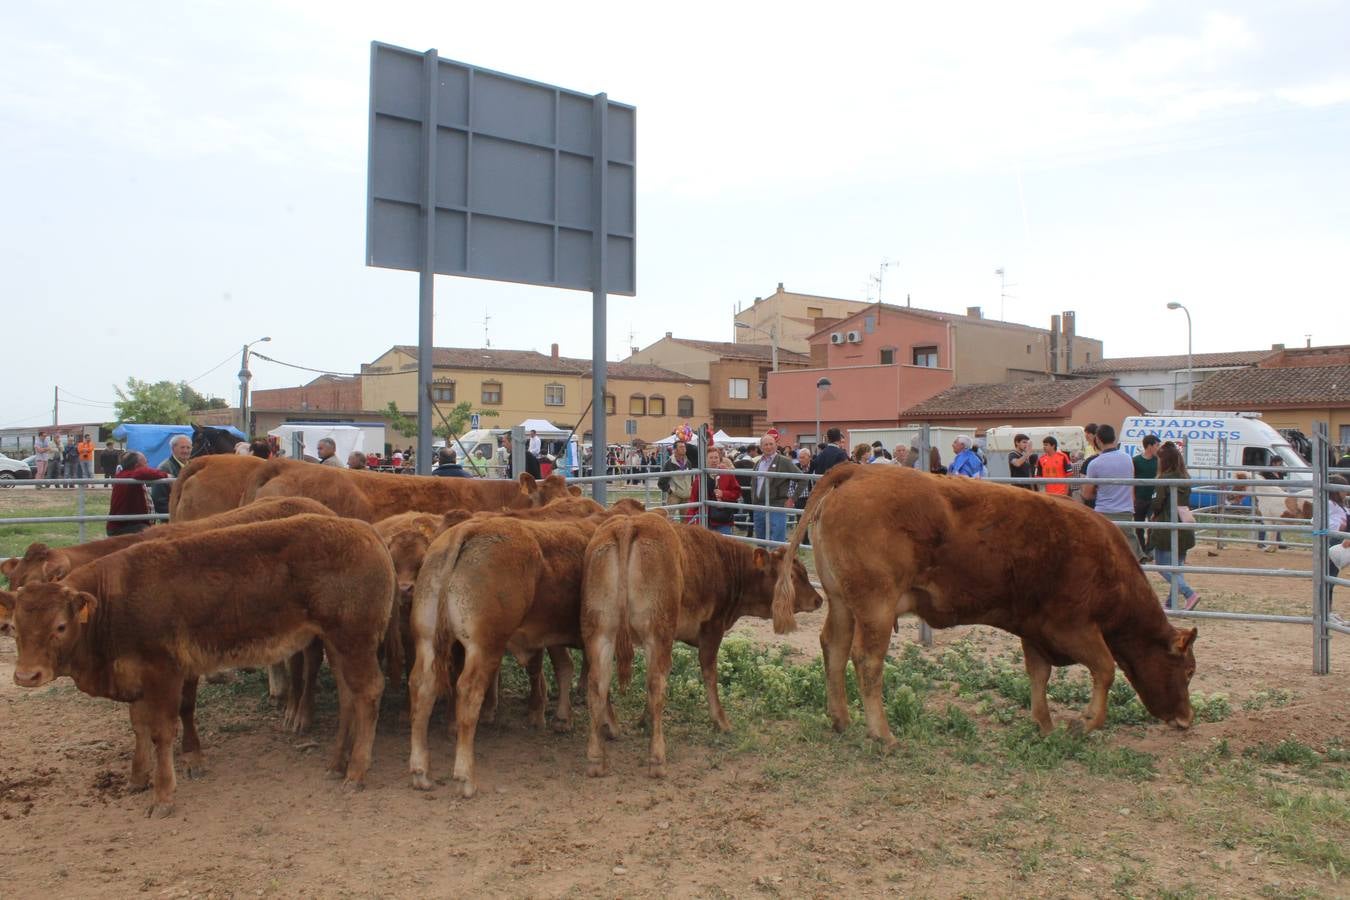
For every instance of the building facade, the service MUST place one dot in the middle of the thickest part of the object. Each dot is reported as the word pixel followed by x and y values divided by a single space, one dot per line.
pixel 1163 382
pixel 642 401
pixel 790 317
pixel 979 407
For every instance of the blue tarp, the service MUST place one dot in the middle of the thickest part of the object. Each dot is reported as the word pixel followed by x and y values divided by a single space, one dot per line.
pixel 153 440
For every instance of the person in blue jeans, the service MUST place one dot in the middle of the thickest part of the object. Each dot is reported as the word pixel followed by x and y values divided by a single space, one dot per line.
pixel 772 491
pixel 1171 465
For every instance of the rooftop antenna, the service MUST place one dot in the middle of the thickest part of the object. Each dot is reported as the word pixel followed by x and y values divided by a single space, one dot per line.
pixel 879 278
pixel 487 341
pixel 1003 295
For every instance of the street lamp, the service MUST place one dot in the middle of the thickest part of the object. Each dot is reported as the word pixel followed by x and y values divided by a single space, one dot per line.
pixel 244 377
pixel 822 385
pixel 1190 369
pixel 773 338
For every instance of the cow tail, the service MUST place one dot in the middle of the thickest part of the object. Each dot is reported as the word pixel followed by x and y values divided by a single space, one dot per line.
pixel 623 641
pixel 784 617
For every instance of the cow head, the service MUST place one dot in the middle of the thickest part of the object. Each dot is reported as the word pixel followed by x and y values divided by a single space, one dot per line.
pixel 39 563
pixel 757 595
pixel 46 620
pixel 408 549
pixel 554 487
pixel 1161 673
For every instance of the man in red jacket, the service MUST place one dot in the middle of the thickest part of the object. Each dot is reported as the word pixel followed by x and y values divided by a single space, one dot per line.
pixel 131 499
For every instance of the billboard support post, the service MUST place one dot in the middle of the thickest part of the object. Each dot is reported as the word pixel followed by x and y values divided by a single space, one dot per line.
pixel 599 332
pixel 426 287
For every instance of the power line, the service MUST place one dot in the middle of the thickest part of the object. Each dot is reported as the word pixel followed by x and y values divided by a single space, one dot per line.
pixel 256 355
pixel 25 419
pixel 65 392
pixel 216 366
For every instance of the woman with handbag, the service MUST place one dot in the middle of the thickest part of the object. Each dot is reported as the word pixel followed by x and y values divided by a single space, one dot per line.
pixel 1171 465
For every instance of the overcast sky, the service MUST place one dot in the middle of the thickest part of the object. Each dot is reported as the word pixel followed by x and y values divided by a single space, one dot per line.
pixel 183 177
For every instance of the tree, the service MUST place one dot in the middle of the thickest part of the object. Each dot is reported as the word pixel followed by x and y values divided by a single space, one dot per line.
pixel 144 403
pixel 197 402
pixel 456 420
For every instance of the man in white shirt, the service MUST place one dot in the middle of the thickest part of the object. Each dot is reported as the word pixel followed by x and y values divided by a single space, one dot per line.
pixel 536 445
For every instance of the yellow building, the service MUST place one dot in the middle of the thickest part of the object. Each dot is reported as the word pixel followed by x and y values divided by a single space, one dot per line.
pixel 790 318
pixel 525 384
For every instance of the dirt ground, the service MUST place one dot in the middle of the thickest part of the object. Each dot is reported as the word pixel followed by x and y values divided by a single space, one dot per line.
pixel 809 814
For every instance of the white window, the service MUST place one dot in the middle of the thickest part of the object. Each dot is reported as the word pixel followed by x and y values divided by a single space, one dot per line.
pixel 1152 398
pixel 553 395
pixel 925 356
pixel 738 388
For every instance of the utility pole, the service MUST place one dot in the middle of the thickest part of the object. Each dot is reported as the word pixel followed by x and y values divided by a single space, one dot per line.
pixel 56 406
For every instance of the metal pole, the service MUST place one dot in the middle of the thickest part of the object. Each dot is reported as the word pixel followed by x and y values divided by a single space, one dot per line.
pixel 818 392
pixel 1321 547
pixel 1190 369
pixel 518 448
pixel 1176 547
pixel 426 287
pixel 244 376
pixel 79 510
pixel 925 441
pixel 599 262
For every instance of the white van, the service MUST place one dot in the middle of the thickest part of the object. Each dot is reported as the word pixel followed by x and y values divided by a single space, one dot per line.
pixel 998 443
pixel 1211 440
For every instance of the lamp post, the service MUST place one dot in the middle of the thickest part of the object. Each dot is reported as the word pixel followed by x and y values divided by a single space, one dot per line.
pixel 822 385
pixel 1190 369
pixel 773 338
pixel 244 377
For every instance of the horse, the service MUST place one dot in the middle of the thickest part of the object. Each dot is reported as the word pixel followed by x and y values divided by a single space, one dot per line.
pixel 208 440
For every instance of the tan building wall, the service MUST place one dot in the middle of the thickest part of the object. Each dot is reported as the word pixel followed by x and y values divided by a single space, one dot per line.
pixel 989 352
pixel 671 354
pixel 523 397
pixel 792 315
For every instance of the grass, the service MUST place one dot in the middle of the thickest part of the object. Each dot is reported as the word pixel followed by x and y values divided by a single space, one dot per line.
pixel 14 539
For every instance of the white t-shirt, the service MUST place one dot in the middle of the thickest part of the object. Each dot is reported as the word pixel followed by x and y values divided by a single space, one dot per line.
pixel 536 444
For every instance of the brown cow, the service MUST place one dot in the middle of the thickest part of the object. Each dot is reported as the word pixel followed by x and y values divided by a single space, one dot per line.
pixel 649 581
pixel 493 584
pixel 959 551
pixel 209 485
pixel 372 496
pixel 134 626
pixel 43 563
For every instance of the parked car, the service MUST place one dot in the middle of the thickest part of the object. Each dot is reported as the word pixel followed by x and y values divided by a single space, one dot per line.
pixel 14 469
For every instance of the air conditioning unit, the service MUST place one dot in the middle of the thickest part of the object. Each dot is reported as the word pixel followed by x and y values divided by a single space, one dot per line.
pixel 837 337
pixel 855 337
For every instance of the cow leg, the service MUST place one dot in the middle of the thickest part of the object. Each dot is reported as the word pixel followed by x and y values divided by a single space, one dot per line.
pixel 276 683
pixel 423 687
pixel 1038 671
pixel 583 680
pixel 393 645
pixel 337 763
pixel 534 670
pixel 295 669
pixel 709 642
pixel 192 744
pixel 365 684
pixel 481 666
pixel 658 671
pixel 836 638
pixel 874 639
pixel 309 687
pixel 599 670
pixel 156 713
pixel 562 673
pixel 1091 651
pixel 142 754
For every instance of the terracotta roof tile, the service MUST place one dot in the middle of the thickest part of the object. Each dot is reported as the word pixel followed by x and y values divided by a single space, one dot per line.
pixel 1329 385
pixel 1167 363
pixel 1019 397
pixel 759 352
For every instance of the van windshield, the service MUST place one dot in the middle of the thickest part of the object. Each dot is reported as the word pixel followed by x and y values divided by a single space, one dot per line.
pixel 1288 456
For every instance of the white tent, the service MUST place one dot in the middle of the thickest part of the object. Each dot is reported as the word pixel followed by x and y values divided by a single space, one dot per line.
pixel 545 429
pixel 347 438
pixel 721 437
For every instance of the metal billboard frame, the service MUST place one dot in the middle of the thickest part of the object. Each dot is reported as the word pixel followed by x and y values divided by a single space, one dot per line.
pixel 482 174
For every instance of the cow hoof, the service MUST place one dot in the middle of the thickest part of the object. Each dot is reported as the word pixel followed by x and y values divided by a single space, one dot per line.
pixel 597 770
pixel 350 786
pixel 335 773
pixel 535 723
pixel 195 773
pixel 562 726
pixel 467 789
pixel 137 787
pixel 723 726
pixel 421 782
pixel 610 732
pixel 159 811
pixel 656 770
pixel 839 725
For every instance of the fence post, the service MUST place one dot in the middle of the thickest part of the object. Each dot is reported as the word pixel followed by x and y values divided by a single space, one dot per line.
pixel 1320 549
pixel 925 441
pixel 79 510
pixel 1223 493
pixel 1176 547
pixel 703 494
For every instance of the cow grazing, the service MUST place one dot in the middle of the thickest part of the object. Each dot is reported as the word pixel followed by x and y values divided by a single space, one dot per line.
pixel 648 581
pixel 957 551
pixel 136 625
pixel 372 496
pixel 209 485
pixel 494 584
pixel 43 563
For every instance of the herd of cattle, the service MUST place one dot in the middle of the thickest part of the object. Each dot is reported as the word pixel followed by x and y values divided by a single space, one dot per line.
pixel 280 563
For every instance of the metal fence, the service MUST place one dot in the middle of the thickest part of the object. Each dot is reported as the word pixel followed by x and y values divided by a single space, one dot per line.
pixel 644 481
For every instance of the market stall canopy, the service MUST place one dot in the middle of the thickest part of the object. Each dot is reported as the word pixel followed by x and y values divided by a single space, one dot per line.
pixel 346 437
pixel 153 440
pixel 545 429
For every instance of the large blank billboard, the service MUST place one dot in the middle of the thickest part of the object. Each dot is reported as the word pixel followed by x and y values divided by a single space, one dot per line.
pixel 512 175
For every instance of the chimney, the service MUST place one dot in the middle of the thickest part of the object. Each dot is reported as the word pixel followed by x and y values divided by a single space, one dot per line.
pixel 973 312
pixel 1054 344
pixel 553 351
pixel 780 287
pixel 1069 332
pixel 632 351
pixel 668 334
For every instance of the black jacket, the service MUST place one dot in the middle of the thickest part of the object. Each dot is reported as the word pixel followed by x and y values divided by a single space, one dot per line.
pixel 827 459
pixel 450 470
